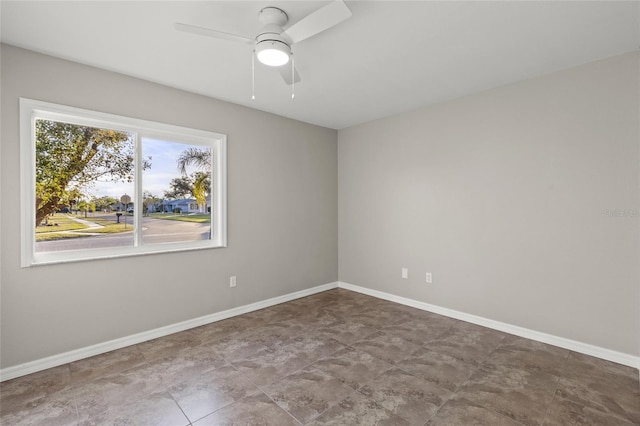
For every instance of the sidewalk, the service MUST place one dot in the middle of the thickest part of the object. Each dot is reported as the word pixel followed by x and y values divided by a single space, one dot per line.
pixel 90 225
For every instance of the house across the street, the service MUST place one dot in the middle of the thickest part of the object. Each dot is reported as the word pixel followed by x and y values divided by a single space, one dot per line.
pixel 185 205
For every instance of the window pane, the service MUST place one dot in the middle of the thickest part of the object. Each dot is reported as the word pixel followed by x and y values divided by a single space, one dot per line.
pixel 96 185
pixel 176 192
pixel 81 174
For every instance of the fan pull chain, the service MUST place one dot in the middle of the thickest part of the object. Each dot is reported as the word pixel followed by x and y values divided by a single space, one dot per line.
pixel 293 77
pixel 253 76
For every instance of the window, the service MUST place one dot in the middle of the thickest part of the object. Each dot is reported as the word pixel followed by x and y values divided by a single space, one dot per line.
pixel 98 185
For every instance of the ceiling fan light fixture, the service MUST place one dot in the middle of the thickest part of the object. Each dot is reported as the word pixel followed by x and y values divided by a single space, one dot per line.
pixel 273 53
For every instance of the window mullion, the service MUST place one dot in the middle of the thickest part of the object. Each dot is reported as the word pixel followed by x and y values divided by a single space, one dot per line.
pixel 137 206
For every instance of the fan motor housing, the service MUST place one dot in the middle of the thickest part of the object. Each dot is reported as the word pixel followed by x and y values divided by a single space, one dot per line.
pixel 273 19
pixel 269 36
pixel 273 15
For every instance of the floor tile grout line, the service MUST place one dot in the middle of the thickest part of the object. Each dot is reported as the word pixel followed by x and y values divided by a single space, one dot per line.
pixel 284 377
pixel 566 377
pixel 278 405
pixel 455 392
pixel 258 388
pixel 75 404
pixel 330 406
pixel 306 366
pixel 180 407
pixel 557 388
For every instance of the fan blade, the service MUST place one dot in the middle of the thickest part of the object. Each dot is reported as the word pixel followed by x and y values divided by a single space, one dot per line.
pixel 213 33
pixel 285 72
pixel 320 20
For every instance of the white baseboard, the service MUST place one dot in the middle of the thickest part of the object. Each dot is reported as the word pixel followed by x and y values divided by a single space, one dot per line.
pixel 100 348
pixel 573 345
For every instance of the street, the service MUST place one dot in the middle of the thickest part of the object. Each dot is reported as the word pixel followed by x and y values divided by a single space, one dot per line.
pixel 154 231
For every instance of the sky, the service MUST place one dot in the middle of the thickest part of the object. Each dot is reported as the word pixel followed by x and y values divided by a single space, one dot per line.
pixel 154 180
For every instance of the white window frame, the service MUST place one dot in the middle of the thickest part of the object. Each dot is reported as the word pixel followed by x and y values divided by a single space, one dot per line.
pixel 30 110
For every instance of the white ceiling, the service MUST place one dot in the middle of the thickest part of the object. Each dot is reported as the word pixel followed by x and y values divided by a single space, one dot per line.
pixel 389 57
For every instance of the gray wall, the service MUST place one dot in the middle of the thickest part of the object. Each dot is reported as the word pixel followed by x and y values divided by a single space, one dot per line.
pixel 503 197
pixel 282 214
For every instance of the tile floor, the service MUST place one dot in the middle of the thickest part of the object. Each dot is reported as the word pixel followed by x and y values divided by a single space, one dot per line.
pixel 335 358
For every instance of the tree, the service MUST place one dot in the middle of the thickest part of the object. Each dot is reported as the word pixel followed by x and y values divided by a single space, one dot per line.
pixel 104 203
pixel 180 188
pixel 201 187
pixel 201 159
pixel 86 207
pixel 69 158
pixel 198 157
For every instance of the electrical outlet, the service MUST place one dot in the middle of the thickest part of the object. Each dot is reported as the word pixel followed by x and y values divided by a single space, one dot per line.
pixel 429 277
pixel 405 273
pixel 232 281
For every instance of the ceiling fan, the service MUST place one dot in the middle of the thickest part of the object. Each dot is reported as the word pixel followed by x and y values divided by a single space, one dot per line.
pixel 272 44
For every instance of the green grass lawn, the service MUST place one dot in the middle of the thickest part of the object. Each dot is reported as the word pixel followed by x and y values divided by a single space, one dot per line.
pixel 185 217
pixel 59 222
pixel 50 236
pixel 62 222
